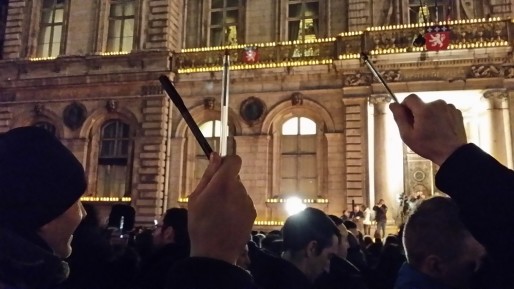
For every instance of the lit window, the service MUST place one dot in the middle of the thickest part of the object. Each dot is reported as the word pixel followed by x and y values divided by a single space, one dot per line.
pixel 211 130
pixel 121 26
pixel 429 11
pixel 298 163
pixel 113 174
pixel 303 21
pixel 224 22
pixel 50 29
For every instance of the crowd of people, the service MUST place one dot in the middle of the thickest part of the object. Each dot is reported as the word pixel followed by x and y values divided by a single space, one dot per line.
pixel 446 243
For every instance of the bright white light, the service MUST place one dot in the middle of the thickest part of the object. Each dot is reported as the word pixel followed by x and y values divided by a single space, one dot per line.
pixel 294 205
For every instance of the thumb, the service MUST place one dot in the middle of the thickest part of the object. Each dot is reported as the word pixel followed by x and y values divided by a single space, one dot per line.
pixel 403 118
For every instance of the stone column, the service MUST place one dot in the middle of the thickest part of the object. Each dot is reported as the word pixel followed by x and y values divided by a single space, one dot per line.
pixel 499 133
pixel 381 169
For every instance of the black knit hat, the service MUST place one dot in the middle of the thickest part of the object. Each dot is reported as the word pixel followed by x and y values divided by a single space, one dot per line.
pixel 39 178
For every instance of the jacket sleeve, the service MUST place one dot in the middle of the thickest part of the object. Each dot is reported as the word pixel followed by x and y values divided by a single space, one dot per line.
pixel 484 190
pixel 206 273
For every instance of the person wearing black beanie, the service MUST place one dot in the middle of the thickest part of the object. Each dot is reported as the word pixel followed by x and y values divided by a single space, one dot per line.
pixel 41 183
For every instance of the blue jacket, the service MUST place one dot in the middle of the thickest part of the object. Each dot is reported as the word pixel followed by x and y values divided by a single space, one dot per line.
pixel 410 278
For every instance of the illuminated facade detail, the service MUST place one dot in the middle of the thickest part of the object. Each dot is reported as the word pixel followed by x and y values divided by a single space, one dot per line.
pixel 225 22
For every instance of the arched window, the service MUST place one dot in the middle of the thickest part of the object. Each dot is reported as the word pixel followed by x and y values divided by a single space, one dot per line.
pixel 212 132
pixel 298 161
pixel 114 160
pixel 46 125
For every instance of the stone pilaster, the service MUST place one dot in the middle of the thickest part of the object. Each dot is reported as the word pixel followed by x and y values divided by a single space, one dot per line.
pixel 356 151
pixel 16 17
pixel 150 175
pixel 164 26
pixel 498 116
pixel 335 172
pixel 5 118
pixel 176 180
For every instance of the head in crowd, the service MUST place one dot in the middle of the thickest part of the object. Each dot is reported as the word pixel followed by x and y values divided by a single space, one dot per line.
pixel 367 241
pixel 391 239
pixel 41 183
pixel 438 244
pixel 352 227
pixel 342 251
pixel 272 243
pixel 310 240
pixel 172 228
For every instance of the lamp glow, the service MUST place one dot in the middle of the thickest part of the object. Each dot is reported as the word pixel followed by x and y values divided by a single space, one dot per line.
pixel 294 205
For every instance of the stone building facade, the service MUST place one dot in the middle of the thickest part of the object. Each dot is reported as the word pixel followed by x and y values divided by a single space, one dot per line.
pixel 305 116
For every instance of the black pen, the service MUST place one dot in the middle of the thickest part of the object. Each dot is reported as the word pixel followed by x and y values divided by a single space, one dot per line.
pixel 375 72
pixel 177 100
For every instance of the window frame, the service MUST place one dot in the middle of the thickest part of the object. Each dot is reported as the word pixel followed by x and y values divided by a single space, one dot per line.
pixel 116 159
pixel 240 23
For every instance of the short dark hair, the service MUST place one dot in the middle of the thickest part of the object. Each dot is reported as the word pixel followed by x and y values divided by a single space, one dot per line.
pixel 350 224
pixel 308 225
pixel 434 228
pixel 338 221
pixel 177 219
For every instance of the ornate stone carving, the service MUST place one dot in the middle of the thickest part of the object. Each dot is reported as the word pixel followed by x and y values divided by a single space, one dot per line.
pixel 297 98
pixel 208 103
pixel 379 99
pixel 74 115
pixel 392 75
pixel 496 94
pixel 151 90
pixel 358 79
pixel 111 105
pixel 252 110
pixel 484 71
pixel 508 72
pixel 39 108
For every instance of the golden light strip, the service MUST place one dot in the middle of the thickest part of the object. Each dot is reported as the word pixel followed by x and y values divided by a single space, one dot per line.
pixel 42 58
pixel 423 25
pixel 268 223
pixel 264 44
pixel 450 47
pixel 305 201
pixel 105 199
pixel 110 53
pixel 257 66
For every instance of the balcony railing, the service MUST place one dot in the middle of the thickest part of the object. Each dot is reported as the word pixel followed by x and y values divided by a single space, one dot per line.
pixel 465 34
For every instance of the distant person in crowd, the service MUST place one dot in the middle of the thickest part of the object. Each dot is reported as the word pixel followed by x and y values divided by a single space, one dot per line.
pixel 381 218
pixel 41 183
pixel 342 273
pixel 366 222
pixel 345 216
pixel 357 216
pixel 171 241
pixel 440 250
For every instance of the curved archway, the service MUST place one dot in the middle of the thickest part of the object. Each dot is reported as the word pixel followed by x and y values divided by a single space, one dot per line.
pixel 29 117
pixel 285 110
pixel 100 115
pixel 201 115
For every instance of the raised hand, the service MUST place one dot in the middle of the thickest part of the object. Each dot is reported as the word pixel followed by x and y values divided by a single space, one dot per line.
pixel 221 214
pixel 433 130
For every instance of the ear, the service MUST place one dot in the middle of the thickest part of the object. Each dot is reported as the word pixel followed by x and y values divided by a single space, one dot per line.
pixel 433 266
pixel 168 234
pixel 311 249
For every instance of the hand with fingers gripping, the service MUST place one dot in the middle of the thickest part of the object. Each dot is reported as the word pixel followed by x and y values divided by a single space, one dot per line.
pixel 433 130
pixel 221 213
